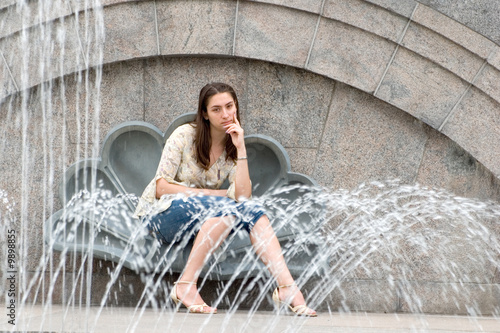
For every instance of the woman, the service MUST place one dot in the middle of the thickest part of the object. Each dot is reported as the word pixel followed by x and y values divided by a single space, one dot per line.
pixel 185 198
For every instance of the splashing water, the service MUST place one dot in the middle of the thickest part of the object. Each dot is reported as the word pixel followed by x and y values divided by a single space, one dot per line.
pixel 398 239
pixel 43 44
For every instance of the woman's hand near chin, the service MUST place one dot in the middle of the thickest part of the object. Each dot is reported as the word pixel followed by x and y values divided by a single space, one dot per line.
pixel 237 134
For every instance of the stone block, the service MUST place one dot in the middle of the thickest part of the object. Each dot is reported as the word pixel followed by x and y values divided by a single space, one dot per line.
pixel 196 27
pixel 350 55
pixel 273 33
pixel 6 3
pixel 125 103
pixel 402 7
pixel 7 85
pixel 366 140
pixel 442 51
pixel 112 105
pixel 496 279
pixel 475 125
pixel 479 15
pixel 313 6
pixel 449 298
pixel 73 286
pixel 420 87
pixel 130 32
pixel 17 17
pixel 441 249
pixel 302 159
pixel 494 58
pixel 281 106
pixel 126 290
pixel 453 30
pixel 366 16
pixel 446 165
pixel 47 52
pixel 31 163
pixel 363 296
pixel 489 82
pixel 172 85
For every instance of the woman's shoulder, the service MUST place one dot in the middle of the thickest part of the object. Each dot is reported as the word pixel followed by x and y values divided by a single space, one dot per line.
pixel 186 130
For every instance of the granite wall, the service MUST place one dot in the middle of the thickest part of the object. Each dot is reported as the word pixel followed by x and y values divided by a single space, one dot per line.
pixel 356 91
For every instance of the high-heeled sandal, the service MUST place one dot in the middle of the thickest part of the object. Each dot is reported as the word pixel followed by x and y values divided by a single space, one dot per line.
pixel 196 308
pixel 299 310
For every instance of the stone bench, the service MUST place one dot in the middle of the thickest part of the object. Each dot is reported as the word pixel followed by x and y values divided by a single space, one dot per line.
pixel 100 195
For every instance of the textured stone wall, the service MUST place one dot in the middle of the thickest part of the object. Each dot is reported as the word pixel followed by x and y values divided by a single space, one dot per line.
pixel 356 91
pixel 481 16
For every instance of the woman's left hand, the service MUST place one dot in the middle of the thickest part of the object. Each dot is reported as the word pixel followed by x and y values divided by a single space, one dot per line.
pixel 236 132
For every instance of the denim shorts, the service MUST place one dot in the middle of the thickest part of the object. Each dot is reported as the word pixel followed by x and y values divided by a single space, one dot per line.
pixel 186 215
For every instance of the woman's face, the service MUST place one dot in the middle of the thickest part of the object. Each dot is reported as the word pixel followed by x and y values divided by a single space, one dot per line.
pixel 221 110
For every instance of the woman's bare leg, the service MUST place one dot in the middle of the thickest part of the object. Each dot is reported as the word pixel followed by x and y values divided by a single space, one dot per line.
pixel 268 248
pixel 211 234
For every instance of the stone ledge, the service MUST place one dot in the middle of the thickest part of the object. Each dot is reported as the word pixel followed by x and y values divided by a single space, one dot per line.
pixel 420 87
pixel 366 16
pixel 488 80
pixel 402 7
pixel 312 6
pixel 119 45
pixel 350 55
pixel 453 30
pixel 436 48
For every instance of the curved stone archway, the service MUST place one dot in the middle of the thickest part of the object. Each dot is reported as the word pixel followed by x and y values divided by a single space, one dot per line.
pixel 403 53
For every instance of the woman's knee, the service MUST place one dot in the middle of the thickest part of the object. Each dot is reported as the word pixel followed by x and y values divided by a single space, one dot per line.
pixel 263 221
pixel 262 227
pixel 222 222
pixel 216 229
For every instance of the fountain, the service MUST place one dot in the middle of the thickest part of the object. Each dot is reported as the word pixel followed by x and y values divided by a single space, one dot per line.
pixel 385 245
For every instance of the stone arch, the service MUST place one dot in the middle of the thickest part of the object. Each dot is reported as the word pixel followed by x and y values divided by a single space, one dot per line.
pixel 403 52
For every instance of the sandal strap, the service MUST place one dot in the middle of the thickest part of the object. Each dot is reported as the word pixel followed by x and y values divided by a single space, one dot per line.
pixel 300 309
pixel 185 282
pixel 197 307
pixel 287 285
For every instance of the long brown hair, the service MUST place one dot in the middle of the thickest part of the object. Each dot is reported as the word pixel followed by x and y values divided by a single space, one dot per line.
pixel 203 140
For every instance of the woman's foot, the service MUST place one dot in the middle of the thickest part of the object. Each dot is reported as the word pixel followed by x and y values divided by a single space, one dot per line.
pixel 187 293
pixel 291 296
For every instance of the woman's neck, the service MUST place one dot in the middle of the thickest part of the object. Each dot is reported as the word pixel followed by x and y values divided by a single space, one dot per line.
pixel 218 138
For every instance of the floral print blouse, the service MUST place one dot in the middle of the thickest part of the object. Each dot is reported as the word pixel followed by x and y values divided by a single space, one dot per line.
pixel 178 165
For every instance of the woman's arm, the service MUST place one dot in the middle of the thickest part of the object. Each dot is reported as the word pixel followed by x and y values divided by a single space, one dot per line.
pixel 164 187
pixel 169 164
pixel 243 186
